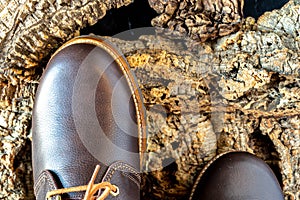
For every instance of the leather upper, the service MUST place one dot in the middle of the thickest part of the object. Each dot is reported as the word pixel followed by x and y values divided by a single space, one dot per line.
pixel 85 114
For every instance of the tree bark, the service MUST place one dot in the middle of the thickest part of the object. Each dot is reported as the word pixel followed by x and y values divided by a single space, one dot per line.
pixel 239 92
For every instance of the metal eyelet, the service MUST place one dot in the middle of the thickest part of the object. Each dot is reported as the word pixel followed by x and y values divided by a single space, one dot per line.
pixel 116 193
pixel 58 197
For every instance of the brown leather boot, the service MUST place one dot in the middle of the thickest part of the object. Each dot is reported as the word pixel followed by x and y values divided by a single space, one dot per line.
pixel 88 112
pixel 237 176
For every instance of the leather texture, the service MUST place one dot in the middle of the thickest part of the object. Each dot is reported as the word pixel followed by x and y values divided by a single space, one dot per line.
pixel 86 113
pixel 237 176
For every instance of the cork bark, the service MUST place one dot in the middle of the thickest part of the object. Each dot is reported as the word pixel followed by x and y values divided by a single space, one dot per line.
pixel 200 19
pixel 238 92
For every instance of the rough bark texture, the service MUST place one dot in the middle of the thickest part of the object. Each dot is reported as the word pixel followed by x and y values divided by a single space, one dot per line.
pixel 31 29
pixel 240 92
pixel 200 19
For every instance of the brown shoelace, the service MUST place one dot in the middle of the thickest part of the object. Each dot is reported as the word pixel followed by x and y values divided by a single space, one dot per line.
pixel 91 189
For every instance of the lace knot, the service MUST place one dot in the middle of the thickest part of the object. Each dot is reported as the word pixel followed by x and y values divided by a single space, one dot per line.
pixel 91 189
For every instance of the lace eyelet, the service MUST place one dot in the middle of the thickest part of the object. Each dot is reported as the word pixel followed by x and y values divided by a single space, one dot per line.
pixel 116 193
pixel 58 197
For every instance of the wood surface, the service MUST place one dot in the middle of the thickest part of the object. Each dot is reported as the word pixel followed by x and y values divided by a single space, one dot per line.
pixel 236 92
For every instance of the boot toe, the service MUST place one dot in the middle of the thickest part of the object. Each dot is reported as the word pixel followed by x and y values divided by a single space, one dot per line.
pixel 237 176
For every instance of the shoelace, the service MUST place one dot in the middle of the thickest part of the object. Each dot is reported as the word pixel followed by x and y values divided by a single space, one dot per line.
pixel 91 189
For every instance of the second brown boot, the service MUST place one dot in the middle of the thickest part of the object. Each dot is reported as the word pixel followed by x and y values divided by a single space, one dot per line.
pixel 237 176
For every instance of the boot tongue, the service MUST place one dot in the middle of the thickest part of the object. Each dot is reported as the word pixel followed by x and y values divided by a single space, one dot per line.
pixel 126 178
